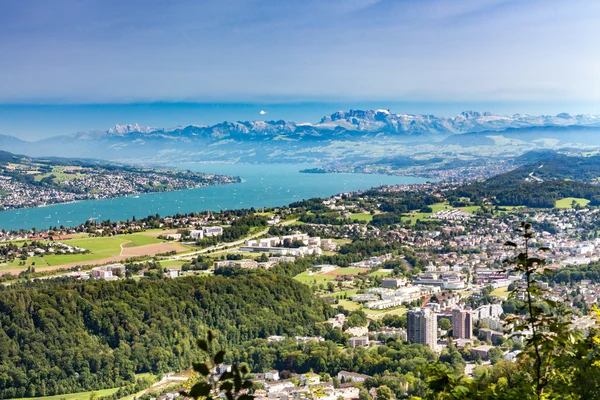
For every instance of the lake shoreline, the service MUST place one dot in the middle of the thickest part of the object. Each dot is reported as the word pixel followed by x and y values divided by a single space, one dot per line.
pixel 262 185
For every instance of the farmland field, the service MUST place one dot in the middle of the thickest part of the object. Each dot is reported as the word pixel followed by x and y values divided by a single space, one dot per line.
pixel 102 249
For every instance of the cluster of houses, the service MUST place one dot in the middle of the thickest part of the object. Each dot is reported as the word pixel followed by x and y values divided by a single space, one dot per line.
pixel 451 215
pixel 37 248
pixel 298 244
pixel 197 234
pixel 252 264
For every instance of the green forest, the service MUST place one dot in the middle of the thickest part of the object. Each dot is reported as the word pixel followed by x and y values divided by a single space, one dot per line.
pixel 67 336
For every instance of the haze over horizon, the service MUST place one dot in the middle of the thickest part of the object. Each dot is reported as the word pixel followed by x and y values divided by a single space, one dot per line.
pixel 89 65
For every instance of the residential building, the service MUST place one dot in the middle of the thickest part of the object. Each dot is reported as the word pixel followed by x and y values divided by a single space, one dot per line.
pixel 272 375
pixel 209 231
pixel 359 341
pixel 393 283
pixel 345 376
pixel 422 327
pixel 462 324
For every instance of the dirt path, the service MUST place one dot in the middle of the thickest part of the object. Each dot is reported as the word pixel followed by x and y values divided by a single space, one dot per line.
pixel 122 248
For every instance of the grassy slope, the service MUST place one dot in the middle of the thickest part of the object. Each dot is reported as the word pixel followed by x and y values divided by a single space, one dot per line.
pixel 567 201
pixel 361 217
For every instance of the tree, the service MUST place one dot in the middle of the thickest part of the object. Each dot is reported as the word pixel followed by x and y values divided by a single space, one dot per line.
pixel 495 355
pixel 356 318
pixel 444 324
pixel 363 394
pixel 546 331
pixel 385 393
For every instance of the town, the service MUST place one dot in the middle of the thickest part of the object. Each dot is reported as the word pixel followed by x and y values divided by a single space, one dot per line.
pixel 34 183
pixel 433 275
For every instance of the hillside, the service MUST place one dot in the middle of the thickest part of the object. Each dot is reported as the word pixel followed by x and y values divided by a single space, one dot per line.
pixel 541 183
pixel 344 136
pixel 84 336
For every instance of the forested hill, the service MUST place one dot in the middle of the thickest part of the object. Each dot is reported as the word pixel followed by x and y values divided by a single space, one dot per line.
pixel 541 183
pixel 64 337
pixel 546 166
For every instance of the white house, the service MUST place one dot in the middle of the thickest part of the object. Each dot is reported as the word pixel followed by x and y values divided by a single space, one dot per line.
pixel 272 375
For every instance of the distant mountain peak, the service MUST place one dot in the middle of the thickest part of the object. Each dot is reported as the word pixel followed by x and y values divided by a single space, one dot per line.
pixel 470 114
pixel 564 116
pixel 129 128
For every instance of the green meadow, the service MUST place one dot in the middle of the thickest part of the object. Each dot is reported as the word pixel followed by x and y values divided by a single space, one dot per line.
pixel 567 202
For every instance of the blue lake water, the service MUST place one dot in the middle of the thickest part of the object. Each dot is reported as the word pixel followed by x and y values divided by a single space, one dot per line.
pixel 265 185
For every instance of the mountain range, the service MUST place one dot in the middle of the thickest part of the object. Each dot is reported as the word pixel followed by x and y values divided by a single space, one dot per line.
pixel 341 136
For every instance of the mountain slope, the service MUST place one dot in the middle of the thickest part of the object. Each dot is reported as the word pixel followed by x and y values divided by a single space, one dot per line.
pixel 334 138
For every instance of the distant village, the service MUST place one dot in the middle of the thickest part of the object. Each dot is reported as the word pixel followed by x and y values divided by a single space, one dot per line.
pixel 25 186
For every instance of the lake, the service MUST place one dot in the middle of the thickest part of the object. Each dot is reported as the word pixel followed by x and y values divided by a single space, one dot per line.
pixel 263 185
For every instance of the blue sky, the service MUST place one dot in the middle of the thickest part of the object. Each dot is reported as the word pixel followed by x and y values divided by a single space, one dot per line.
pixel 528 56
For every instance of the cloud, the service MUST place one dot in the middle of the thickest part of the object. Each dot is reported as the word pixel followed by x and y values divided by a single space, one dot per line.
pixel 94 52
pixel 262 112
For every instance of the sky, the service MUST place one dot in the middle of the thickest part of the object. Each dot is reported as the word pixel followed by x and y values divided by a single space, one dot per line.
pixel 73 65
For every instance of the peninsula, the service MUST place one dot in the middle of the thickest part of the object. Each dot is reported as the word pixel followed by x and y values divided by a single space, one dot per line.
pixel 34 182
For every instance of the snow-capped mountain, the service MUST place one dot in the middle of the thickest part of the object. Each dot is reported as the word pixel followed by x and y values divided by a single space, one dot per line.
pixel 351 123
pixel 129 128
pixel 280 140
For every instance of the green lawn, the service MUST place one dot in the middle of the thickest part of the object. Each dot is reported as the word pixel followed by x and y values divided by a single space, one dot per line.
pixel 500 292
pixel 349 293
pixel 35 261
pixel 138 240
pixel 100 247
pixel 86 395
pixel 74 396
pixel 413 216
pixel 310 279
pixel 349 305
pixel 389 311
pixel 568 201
pixel 349 271
pixel 470 209
pixel 367 217
pixel 172 263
